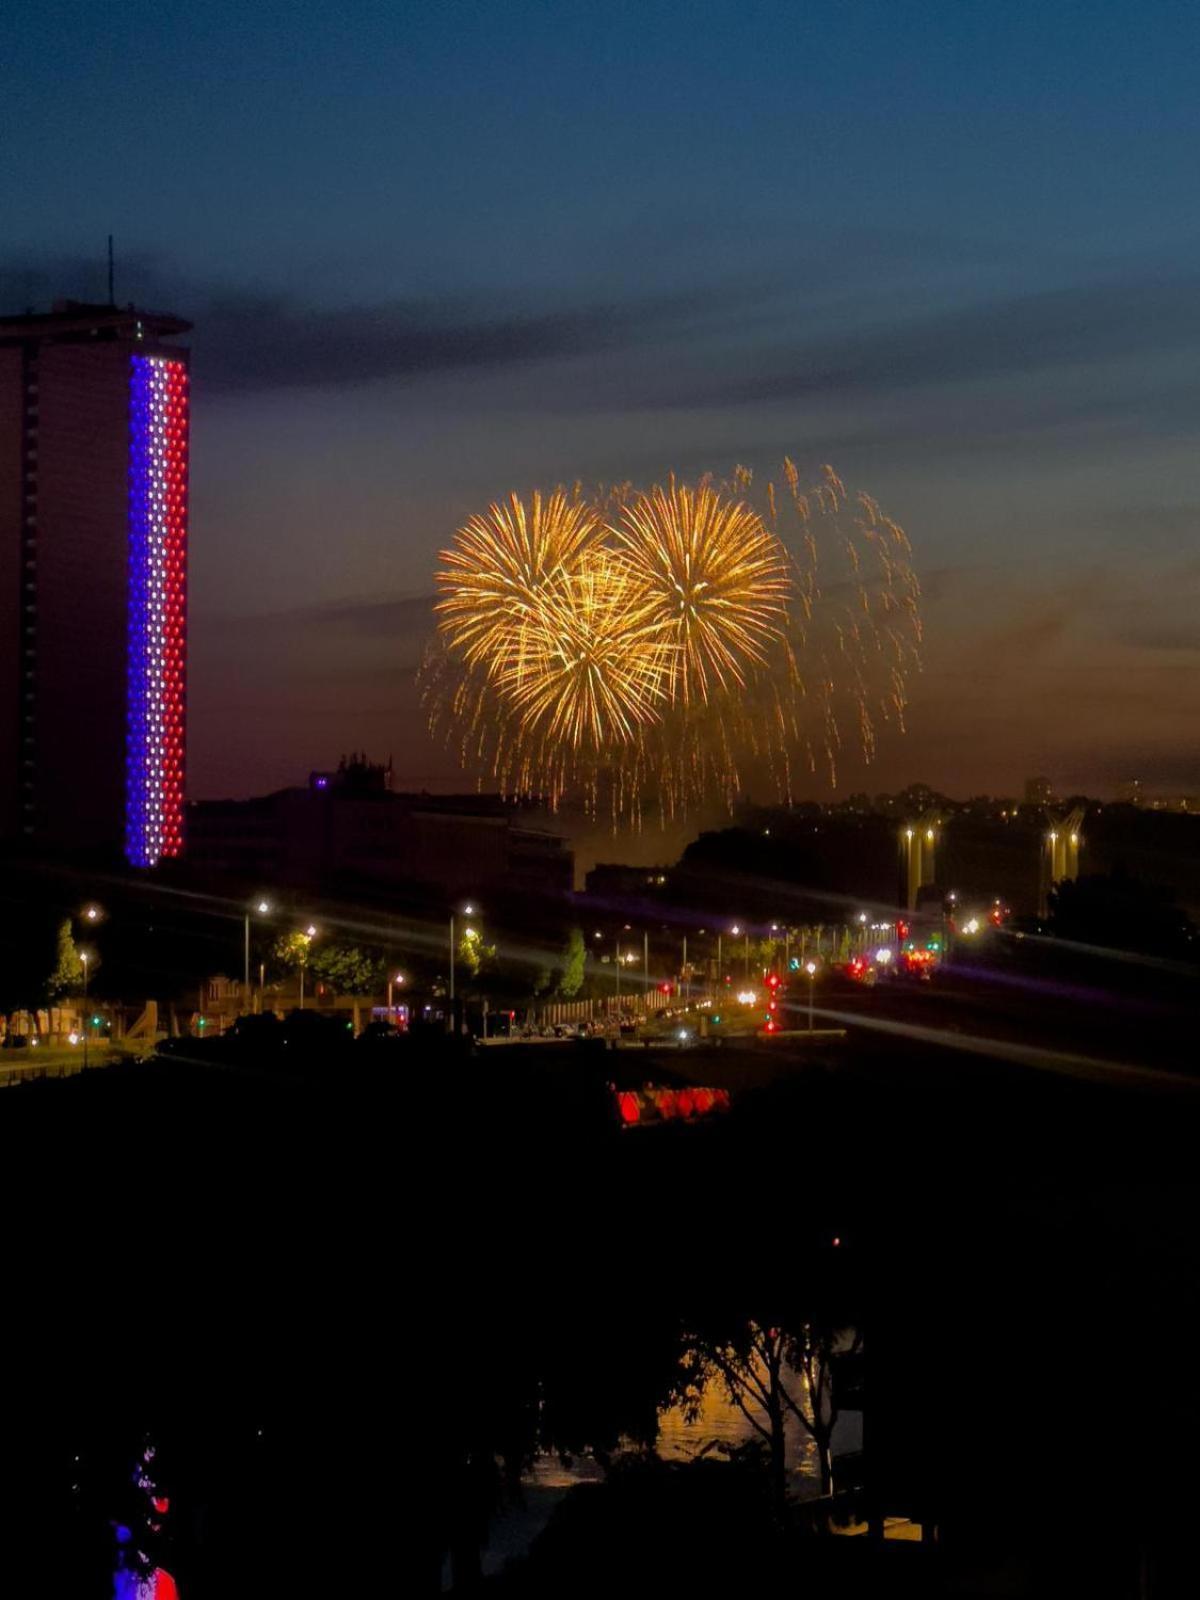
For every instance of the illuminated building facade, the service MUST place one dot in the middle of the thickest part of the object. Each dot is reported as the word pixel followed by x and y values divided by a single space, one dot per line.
pixel 93 580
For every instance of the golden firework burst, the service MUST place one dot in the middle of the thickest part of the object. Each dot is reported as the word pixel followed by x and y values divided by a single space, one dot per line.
pixel 717 581
pixel 591 664
pixel 501 561
pixel 666 646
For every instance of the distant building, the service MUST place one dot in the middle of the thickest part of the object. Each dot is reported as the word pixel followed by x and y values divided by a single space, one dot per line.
pixel 1038 792
pixel 611 880
pixel 348 826
pixel 94 431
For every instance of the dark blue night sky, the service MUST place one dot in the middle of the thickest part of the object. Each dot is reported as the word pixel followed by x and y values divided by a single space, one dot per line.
pixel 434 251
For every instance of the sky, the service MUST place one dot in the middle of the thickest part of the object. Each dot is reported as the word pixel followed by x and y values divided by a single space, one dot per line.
pixel 437 251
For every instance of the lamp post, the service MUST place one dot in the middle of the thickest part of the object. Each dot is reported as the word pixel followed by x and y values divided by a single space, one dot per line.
pixel 645 973
pixel 735 931
pixel 468 911
pixel 85 957
pixel 811 968
pixel 309 934
pixel 397 980
pixel 263 908
pixel 684 985
pixel 718 963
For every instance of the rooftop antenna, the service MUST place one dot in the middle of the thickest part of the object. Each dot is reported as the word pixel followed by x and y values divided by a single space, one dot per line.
pixel 112 299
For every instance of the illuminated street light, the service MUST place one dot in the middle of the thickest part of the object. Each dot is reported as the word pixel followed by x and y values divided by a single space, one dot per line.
pixel 263 908
pixel 397 980
pixel 308 935
pixel 811 968
pixel 86 957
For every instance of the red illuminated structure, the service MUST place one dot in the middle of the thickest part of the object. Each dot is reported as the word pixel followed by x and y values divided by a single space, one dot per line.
pixel 93 579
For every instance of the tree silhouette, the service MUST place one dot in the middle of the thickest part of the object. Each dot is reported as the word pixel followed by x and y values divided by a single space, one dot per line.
pixel 574 962
pixel 66 976
pixel 769 1374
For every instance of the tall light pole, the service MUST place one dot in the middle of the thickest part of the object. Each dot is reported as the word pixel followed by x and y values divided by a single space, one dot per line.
pixel 646 972
pixel 683 974
pixel 735 931
pixel 263 908
pixel 718 963
pixel 468 911
pixel 85 957
pixel 309 934
pixel 811 968
pixel 398 980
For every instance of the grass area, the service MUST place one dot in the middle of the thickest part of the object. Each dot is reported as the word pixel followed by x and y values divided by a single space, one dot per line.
pixel 58 1060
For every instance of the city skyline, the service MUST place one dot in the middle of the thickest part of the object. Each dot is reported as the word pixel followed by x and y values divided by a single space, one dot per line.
pixel 953 262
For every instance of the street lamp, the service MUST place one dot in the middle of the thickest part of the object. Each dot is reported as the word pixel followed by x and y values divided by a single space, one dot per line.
pixel 309 934
pixel 468 911
pixel 811 968
pixel 397 980
pixel 263 909
pixel 85 956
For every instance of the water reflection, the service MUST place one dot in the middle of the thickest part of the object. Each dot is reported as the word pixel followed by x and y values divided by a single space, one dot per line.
pixel 715 1425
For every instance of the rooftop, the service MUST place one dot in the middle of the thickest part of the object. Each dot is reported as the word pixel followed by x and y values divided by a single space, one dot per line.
pixel 73 321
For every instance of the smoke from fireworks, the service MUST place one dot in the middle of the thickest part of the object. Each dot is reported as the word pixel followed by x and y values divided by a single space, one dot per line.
pixel 659 647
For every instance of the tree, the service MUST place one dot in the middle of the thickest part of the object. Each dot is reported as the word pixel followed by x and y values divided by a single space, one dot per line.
pixel 67 975
pixel 473 955
pixel 290 952
pixel 1122 913
pixel 349 968
pixel 771 1373
pixel 574 961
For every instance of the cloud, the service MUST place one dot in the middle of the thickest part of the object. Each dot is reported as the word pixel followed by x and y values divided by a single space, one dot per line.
pixel 249 343
pixel 1053 328
pixel 250 340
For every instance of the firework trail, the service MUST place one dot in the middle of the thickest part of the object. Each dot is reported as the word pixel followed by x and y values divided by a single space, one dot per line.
pixel 661 647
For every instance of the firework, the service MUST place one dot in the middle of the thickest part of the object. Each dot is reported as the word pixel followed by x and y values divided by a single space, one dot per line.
pixel 669 644
pixel 591 662
pixel 501 561
pixel 716 580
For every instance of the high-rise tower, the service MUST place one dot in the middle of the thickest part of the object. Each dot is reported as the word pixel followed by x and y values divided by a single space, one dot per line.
pixel 93 579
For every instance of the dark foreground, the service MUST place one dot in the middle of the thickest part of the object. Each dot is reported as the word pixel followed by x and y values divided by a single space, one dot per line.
pixel 347 1298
